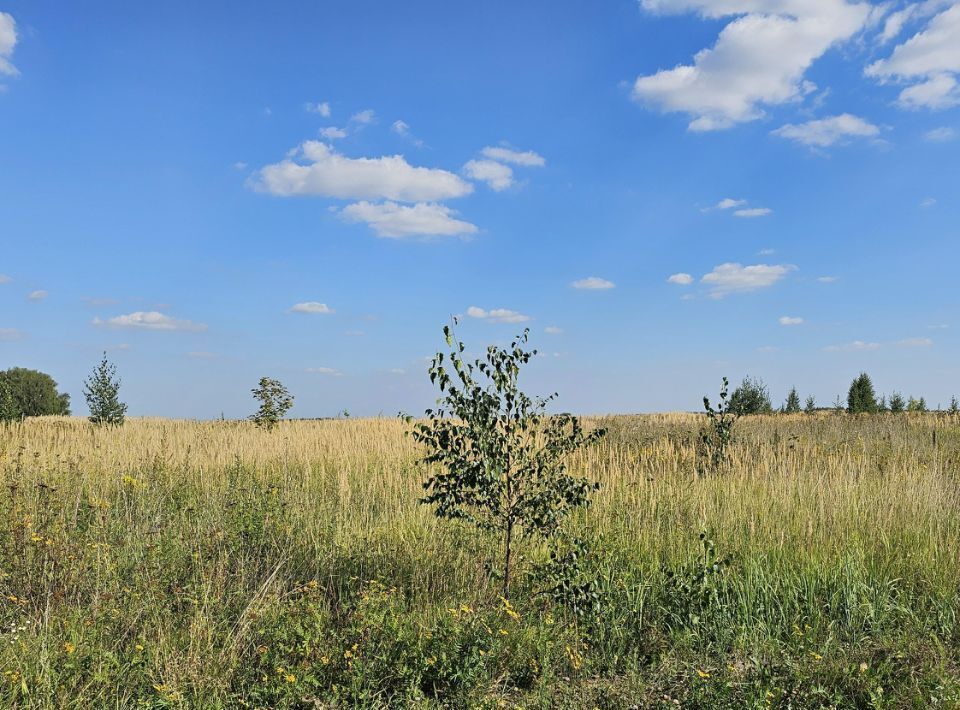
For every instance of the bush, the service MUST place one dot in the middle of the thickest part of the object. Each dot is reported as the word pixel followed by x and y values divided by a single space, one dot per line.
pixel 717 435
pixel 861 398
pixel 751 397
pixel 34 393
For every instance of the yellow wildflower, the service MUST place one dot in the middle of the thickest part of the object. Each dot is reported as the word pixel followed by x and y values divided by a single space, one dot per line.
pixel 703 674
pixel 69 648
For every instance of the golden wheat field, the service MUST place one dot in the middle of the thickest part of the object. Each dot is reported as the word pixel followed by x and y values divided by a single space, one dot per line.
pixel 213 564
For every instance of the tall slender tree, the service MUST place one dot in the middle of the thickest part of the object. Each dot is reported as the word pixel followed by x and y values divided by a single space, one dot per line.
pixel 102 390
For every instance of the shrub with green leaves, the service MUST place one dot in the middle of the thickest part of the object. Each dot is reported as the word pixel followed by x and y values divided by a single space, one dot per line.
pixel 861 398
pixel 751 397
pixel 275 402
pixel 501 457
pixel 717 435
pixel 101 391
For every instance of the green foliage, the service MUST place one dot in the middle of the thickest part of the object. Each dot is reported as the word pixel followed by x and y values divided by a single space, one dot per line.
pixel 501 457
pixel 569 578
pixel 694 590
pixel 275 402
pixel 882 405
pixel 792 405
pixel 810 406
pixel 954 405
pixel 9 411
pixel 101 391
pixel 917 405
pixel 751 397
pixel 35 393
pixel 861 399
pixel 897 403
pixel 716 437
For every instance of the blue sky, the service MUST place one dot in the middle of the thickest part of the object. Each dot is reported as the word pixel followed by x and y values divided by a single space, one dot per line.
pixel 664 192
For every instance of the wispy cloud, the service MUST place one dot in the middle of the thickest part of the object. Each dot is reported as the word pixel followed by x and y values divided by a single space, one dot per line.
pixel 915 343
pixel 526 158
pixel 150 320
pixel 363 117
pixel 593 283
pixel 37 295
pixel 753 212
pixel 553 330
pixel 680 279
pixel 332 133
pixel 8 335
pixel 825 132
pixel 497 315
pixel 324 371
pixel 790 320
pixel 314 307
pixel 855 346
pixel 322 108
pixel 730 278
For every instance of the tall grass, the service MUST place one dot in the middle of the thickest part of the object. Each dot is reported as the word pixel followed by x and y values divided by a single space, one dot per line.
pixel 185 564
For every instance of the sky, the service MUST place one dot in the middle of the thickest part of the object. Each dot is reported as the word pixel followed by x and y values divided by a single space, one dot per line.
pixel 664 192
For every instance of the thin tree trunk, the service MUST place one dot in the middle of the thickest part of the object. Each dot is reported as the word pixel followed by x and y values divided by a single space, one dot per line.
pixel 508 539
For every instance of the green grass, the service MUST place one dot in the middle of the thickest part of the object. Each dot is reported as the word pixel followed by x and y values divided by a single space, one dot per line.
pixel 183 564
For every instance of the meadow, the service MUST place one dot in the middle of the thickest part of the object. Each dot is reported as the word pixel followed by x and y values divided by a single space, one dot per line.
pixel 214 564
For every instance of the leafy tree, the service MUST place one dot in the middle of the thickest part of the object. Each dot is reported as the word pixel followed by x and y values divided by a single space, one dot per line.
pixel 101 391
pixel 501 458
pixel 275 401
pixel 717 435
pixel 954 405
pixel 35 393
pixel 9 411
pixel 861 398
pixel 897 403
pixel 810 406
pixel 792 405
pixel 917 405
pixel 751 397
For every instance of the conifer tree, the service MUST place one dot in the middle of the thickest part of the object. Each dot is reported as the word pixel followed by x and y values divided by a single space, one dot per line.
pixel 101 391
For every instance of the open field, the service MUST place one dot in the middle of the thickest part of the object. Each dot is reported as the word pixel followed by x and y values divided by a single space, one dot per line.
pixel 182 564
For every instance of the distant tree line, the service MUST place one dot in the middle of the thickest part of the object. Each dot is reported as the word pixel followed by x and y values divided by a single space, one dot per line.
pixel 753 397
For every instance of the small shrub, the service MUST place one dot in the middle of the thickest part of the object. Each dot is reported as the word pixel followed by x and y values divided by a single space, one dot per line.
pixel 275 401
pixel 717 435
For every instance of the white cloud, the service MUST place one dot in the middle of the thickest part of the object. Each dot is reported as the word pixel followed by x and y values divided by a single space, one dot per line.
pixel 753 212
pixel 324 371
pixel 758 60
pixel 388 219
pixel 150 320
pixel 928 202
pixel 940 135
pixel 824 132
pixel 915 343
pixel 553 330
pixel 735 278
pixel 790 320
pixel 855 346
pixel 363 117
pixel 8 40
pixel 322 108
pixel 728 203
pixel 497 175
pixel 8 335
pixel 311 307
pixel 930 59
pixel 593 283
pixel 401 128
pixel 497 315
pixel 239 165
pixel 332 133
pixel 37 295
pixel 680 279
pixel 827 279
pixel 324 172
pixel 4 279
pixel 527 158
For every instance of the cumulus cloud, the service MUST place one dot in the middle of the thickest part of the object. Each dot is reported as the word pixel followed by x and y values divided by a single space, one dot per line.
pixel 8 40
pixel 729 278
pixel 8 335
pixel 825 132
pixel 942 134
pixel 37 295
pixel 680 279
pixel 150 320
pixel 322 108
pixel 759 59
pixel 497 315
pixel 855 346
pixel 553 330
pixel 753 212
pixel 332 133
pixel 593 283
pixel 526 158
pixel 317 169
pixel 790 320
pixel 929 60
pixel 363 117
pixel 497 175
pixel 311 307
pixel 389 219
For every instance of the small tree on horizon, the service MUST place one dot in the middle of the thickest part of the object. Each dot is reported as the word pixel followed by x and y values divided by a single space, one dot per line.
pixel 792 405
pixel 810 406
pixel 917 405
pixel 861 398
pixel 101 391
pixel 954 405
pixel 897 403
pixel 275 402
pixel 501 457
pixel 751 397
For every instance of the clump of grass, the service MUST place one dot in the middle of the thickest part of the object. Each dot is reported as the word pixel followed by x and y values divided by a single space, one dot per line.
pixel 185 564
